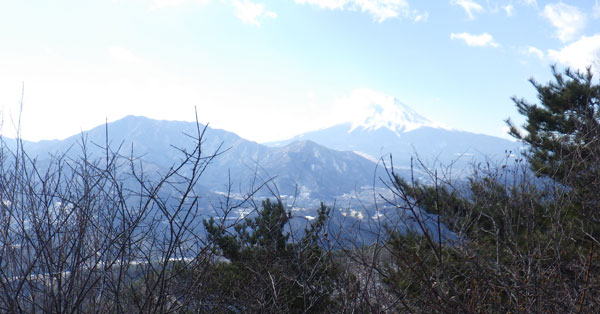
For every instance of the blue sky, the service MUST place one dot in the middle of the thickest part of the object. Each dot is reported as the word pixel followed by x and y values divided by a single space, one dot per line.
pixel 268 70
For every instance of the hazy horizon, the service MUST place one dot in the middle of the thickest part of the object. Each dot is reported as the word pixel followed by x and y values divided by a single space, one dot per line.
pixel 269 70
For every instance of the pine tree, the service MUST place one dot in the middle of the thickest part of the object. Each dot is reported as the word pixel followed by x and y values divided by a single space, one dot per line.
pixel 266 271
pixel 563 134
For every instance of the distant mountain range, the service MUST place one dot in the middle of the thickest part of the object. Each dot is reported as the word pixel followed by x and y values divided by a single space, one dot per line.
pixel 394 128
pixel 302 169
pixel 328 164
pixel 338 165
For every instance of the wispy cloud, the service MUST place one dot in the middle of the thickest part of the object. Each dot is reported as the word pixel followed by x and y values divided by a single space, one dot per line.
pixel 530 2
pixel 251 13
pixel 533 51
pixel 326 4
pixel 159 4
pixel 247 11
pixel 509 9
pixel 470 6
pixel 380 10
pixel 568 20
pixel 481 40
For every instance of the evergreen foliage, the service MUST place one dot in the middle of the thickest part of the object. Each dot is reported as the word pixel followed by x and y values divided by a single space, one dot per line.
pixel 85 235
pixel 563 134
pixel 265 271
pixel 525 244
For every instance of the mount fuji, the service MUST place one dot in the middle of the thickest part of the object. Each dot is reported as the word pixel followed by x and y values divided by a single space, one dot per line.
pixel 387 126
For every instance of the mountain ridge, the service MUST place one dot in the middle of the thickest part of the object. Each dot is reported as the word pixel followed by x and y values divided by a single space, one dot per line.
pixel 305 165
pixel 382 133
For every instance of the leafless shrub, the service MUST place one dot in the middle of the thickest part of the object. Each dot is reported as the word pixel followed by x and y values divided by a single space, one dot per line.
pixel 99 233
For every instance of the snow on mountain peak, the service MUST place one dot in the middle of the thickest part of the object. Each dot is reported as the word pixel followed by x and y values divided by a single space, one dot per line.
pixel 377 110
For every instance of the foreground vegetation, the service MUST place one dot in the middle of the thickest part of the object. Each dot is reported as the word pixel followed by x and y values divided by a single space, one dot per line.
pixel 103 235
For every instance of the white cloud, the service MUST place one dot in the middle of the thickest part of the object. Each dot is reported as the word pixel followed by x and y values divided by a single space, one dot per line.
pixel 596 10
pixel 250 12
pixel 246 10
pixel 159 4
pixel 470 6
pixel 422 17
pixel 472 40
pixel 568 20
pixel 579 54
pixel 509 9
pixel 530 2
pixel 533 51
pixel 381 10
pixel 326 4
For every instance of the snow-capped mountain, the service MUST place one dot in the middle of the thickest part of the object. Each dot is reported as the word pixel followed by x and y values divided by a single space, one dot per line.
pixel 391 114
pixel 387 126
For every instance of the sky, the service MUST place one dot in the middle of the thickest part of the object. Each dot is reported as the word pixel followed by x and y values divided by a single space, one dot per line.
pixel 271 69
